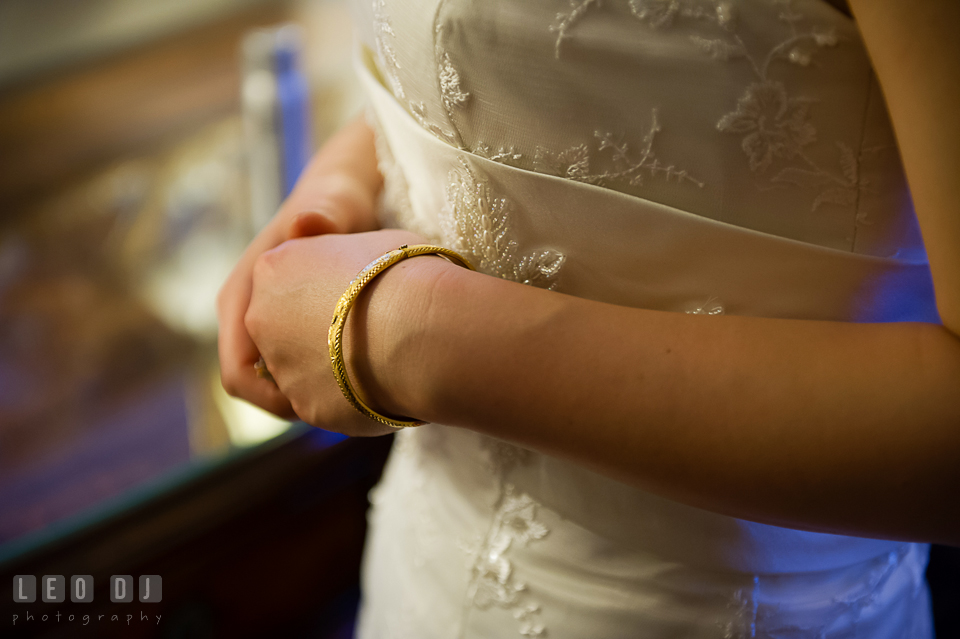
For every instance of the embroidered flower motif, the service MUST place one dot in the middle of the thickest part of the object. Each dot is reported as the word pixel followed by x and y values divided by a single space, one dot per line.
pixel 840 189
pixel 450 90
pixel 529 618
pixel 419 112
pixel 476 224
pixel 493 582
pixel 519 523
pixel 719 49
pixel 566 21
pixel 503 154
pixel 572 163
pixel 658 14
pixel 492 576
pixel 628 166
pixel 776 126
pixel 452 94
pixel 388 57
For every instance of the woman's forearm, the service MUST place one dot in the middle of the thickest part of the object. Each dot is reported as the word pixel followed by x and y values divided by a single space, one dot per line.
pixel 829 426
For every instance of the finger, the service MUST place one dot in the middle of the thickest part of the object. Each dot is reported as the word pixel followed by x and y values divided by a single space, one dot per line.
pixel 238 355
pixel 311 223
pixel 264 394
pixel 344 199
pixel 239 379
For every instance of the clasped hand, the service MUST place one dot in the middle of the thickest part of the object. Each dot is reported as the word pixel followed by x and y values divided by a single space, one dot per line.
pixel 295 288
pixel 278 303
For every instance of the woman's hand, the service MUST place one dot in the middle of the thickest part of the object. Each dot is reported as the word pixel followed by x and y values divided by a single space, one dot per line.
pixel 336 194
pixel 295 288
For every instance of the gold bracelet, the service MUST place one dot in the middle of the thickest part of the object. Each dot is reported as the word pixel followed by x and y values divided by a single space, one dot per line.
pixel 335 336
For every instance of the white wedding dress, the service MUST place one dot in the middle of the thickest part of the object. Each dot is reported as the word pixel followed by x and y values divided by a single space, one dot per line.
pixel 696 156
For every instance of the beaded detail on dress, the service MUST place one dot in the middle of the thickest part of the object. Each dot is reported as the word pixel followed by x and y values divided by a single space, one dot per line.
pixel 710 307
pixel 476 223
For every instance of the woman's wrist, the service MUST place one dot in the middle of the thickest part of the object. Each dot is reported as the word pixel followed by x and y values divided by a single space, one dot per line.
pixel 389 350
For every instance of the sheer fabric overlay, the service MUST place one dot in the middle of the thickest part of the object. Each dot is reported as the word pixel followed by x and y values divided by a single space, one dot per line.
pixel 696 156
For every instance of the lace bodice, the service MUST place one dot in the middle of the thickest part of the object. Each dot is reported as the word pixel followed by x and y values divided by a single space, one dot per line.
pixel 760 113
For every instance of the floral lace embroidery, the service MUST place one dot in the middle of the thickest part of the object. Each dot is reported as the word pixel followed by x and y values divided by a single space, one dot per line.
pixel 775 126
pixel 656 14
pixel 493 581
pixel 566 21
pixel 574 163
pixel 389 65
pixel 452 94
pixel 476 223
pixel 503 154
pixel 450 91
pixel 388 57
pixel 419 112
pixel 659 14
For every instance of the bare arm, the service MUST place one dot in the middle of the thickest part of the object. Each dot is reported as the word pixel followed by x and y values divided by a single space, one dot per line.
pixel 829 426
pixel 835 427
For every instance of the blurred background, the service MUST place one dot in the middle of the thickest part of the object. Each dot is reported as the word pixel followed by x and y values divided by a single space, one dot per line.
pixel 142 145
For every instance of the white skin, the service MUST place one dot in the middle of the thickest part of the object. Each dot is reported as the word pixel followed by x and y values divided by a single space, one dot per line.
pixel 859 435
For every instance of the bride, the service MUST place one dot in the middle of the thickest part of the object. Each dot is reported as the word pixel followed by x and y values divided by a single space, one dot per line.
pixel 705 380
